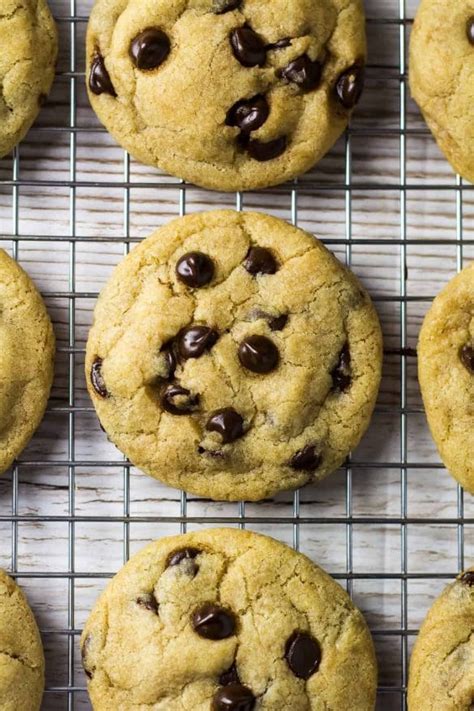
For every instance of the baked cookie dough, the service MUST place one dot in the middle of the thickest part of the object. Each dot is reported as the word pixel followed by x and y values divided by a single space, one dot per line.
pixel 233 356
pixel 442 664
pixel 446 375
pixel 21 651
pixel 228 94
pixel 226 620
pixel 27 61
pixel 26 359
pixel 441 73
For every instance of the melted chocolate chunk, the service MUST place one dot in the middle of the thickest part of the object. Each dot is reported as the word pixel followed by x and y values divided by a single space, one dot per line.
pixel 234 697
pixel 266 151
pixel 150 48
pixel 258 354
pixel 230 676
pixel 219 7
pixel 466 355
pixel 170 359
pixel 260 261
pixel 187 555
pixel 468 578
pixel 341 373
pixel 148 601
pixel 349 86
pixel 195 269
pixel 303 72
pixel 97 379
pixel 178 401
pixel 306 459
pixel 280 44
pixel 470 30
pixel 303 655
pixel 99 78
pixel 89 670
pixel 278 323
pixel 213 622
pixel 226 422
pixel 248 47
pixel 248 114
pixel 193 341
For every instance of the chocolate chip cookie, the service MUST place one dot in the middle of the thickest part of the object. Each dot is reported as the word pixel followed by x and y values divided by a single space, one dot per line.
pixel 233 356
pixel 446 375
pixel 442 663
pixel 27 60
pixel 26 359
pixel 226 620
pixel 21 651
pixel 229 95
pixel 441 71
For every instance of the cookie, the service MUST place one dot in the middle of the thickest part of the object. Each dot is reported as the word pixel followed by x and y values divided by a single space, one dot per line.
pixel 442 663
pixel 233 356
pixel 228 94
pixel 446 375
pixel 21 651
pixel 26 359
pixel 441 72
pixel 226 620
pixel 27 60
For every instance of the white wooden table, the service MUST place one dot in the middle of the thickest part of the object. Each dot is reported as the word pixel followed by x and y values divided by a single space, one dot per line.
pixel 392 526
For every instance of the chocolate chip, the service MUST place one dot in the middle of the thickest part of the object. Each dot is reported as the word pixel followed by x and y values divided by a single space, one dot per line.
pixel 213 622
pixel 235 697
pixel 89 670
pixel 186 555
pixel 467 578
pixel 303 72
pixel 170 359
pixel 258 354
pixel 470 30
pixel 148 602
pixel 221 6
pixel 226 422
pixel 306 459
pixel 466 355
pixel 97 379
pixel 195 269
pixel 99 78
pixel 248 47
pixel 248 114
pixel 280 44
pixel 260 261
pixel 193 341
pixel 278 323
pixel 230 676
pixel 341 373
pixel 303 655
pixel 178 401
pixel 349 86
pixel 266 151
pixel 150 48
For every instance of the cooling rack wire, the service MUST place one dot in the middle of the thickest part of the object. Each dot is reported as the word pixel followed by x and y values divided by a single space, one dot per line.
pixel 391 526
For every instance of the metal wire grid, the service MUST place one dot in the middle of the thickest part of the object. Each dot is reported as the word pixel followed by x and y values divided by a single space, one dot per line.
pixel 70 691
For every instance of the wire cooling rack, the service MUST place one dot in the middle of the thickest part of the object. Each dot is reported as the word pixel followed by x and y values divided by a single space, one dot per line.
pixel 391 525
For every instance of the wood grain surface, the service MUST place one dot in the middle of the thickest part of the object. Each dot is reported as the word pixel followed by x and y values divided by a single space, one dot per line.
pixel 392 526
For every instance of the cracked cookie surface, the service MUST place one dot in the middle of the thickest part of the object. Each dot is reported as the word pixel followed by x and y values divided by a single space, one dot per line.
pixel 26 359
pixel 27 61
pixel 223 617
pixel 441 74
pixel 21 651
pixel 231 95
pixel 442 664
pixel 233 356
pixel 446 375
